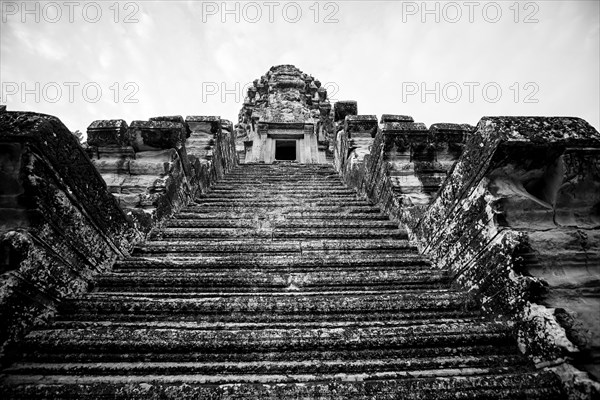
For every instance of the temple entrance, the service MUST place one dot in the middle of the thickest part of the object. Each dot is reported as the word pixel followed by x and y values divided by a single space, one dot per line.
pixel 284 141
pixel 285 150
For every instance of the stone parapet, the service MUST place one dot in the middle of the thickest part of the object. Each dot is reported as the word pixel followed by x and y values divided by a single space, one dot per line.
pixel 154 167
pixel 156 135
pixel 145 166
pixel 60 225
pixel 343 108
pixel 515 221
pixel 174 118
pixel 107 133
pixel 523 188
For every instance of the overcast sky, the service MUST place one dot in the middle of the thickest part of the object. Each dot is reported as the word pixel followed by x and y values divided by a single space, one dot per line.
pixel 436 61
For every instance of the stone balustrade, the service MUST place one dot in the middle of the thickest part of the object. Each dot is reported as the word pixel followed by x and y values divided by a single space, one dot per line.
pixel 154 167
pixel 144 165
pixel 517 222
pixel 511 208
pixel 59 226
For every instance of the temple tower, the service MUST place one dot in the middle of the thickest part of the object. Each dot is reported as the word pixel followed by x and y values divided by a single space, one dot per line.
pixel 285 117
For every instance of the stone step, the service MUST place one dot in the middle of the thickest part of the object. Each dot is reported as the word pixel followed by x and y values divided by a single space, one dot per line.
pixel 279 198
pixel 283 172
pixel 278 191
pixel 265 279
pixel 499 347
pixel 259 320
pixel 270 246
pixel 311 366
pixel 278 209
pixel 279 187
pixel 306 204
pixel 315 214
pixel 279 282
pixel 245 178
pixel 278 233
pixel 278 167
pixel 467 383
pixel 106 338
pixel 286 223
pixel 408 261
pixel 341 321
pixel 266 304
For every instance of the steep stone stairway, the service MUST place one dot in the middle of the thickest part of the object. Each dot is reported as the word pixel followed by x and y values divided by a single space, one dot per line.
pixel 278 284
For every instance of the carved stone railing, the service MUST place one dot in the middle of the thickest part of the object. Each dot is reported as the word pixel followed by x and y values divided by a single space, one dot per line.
pixel 211 150
pixel 59 224
pixel 399 165
pixel 155 167
pixel 516 222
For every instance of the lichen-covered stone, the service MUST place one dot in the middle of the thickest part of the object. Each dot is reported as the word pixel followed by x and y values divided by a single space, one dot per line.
pixel 511 172
pixel 287 105
pixel 60 225
pixel 279 282
pixel 395 118
pixel 103 133
pixel 360 124
pixel 174 118
pixel 155 135
pixel 343 108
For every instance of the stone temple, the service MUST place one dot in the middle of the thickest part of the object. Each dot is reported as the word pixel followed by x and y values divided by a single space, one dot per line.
pixel 305 252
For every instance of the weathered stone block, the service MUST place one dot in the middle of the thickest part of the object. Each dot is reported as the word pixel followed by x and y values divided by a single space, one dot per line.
pixel 103 133
pixel 59 205
pixel 405 136
pixel 204 124
pixel 112 165
pixel 343 108
pixel 325 109
pixel 153 162
pixel 450 133
pixel 226 125
pixel 396 118
pixel 154 135
pixel 174 118
pixel 361 124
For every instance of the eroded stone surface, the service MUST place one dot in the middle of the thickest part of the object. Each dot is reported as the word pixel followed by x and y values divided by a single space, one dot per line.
pixel 59 223
pixel 279 282
pixel 156 166
pixel 514 221
pixel 285 117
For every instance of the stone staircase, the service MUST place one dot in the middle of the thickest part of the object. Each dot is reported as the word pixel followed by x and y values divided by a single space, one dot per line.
pixel 279 284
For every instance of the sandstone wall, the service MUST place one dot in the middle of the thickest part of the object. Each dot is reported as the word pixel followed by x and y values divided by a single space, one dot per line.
pixel 59 224
pixel 154 167
pixel 516 221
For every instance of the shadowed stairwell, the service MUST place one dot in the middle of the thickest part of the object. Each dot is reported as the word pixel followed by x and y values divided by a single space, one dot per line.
pixel 280 282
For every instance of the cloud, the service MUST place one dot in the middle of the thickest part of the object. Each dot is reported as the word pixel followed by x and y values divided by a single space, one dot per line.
pixel 369 53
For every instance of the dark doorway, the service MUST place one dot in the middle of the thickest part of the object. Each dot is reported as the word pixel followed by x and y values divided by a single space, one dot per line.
pixel 285 150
